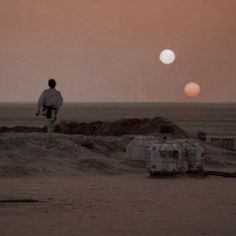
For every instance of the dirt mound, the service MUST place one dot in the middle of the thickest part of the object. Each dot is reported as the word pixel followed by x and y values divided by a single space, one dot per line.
pixel 26 155
pixel 145 126
pixel 156 126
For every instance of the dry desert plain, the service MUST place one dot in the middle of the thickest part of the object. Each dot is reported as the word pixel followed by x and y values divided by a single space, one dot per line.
pixel 83 185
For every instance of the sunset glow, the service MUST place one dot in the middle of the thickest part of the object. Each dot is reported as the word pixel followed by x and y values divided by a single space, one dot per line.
pixel 114 51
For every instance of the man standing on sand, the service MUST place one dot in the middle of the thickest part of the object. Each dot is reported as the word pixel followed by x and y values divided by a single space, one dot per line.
pixel 49 104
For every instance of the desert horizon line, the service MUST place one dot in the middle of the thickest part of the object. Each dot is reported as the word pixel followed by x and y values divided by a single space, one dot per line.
pixel 127 102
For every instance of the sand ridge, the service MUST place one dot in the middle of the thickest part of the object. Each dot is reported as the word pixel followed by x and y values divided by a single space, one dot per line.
pixel 26 154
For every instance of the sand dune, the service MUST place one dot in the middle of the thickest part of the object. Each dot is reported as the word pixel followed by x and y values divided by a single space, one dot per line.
pixel 26 154
pixel 101 147
pixel 156 126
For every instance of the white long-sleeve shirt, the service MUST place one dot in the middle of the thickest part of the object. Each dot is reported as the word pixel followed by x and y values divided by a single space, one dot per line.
pixel 50 97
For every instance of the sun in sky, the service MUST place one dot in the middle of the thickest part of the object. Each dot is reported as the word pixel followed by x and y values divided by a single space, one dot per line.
pixel 167 56
pixel 192 89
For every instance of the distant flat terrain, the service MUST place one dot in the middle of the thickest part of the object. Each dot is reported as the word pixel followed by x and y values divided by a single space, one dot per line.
pixel 210 118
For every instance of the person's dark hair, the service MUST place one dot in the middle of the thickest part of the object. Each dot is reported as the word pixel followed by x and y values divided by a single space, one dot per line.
pixel 52 83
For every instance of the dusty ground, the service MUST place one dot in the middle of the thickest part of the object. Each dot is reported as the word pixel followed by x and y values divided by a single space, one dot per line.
pixel 85 186
pixel 124 204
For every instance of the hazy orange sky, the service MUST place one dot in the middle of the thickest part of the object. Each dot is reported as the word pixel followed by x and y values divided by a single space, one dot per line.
pixel 108 50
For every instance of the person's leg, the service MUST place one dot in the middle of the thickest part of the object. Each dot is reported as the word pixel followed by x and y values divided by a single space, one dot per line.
pixel 51 122
pixel 49 131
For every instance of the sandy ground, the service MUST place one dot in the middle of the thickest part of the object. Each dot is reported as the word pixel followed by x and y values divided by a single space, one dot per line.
pixel 125 204
pixel 85 186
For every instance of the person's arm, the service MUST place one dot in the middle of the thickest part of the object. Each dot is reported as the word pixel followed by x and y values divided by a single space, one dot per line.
pixel 60 99
pixel 39 104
